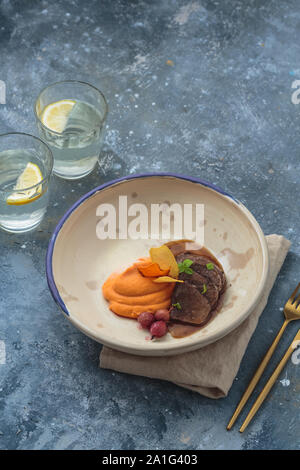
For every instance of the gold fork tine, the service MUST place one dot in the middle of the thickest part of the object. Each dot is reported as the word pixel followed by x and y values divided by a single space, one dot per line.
pixel 291 313
pixel 265 391
pixel 297 301
pixel 292 298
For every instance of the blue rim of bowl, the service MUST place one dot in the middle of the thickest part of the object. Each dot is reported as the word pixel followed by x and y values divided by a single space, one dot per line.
pixel 49 271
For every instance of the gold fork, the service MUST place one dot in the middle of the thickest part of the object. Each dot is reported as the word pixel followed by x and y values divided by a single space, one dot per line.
pixel 291 312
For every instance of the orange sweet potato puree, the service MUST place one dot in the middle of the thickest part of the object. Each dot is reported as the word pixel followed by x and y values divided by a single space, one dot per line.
pixel 129 293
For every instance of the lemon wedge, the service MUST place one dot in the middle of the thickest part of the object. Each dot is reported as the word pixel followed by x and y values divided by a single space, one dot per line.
pixel 55 115
pixel 31 176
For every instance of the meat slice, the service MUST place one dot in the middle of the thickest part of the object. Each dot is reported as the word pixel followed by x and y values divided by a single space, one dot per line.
pixel 202 283
pixel 192 306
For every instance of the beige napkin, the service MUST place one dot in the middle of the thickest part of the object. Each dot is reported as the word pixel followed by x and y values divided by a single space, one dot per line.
pixel 212 369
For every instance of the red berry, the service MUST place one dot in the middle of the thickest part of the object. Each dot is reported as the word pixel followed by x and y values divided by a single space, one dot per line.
pixel 158 329
pixel 145 319
pixel 162 314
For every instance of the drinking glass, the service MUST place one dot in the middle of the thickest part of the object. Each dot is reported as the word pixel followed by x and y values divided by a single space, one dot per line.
pixel 70 118
pixel 25 169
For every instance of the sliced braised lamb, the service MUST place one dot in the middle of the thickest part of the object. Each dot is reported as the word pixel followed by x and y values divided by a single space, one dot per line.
pixel 194 300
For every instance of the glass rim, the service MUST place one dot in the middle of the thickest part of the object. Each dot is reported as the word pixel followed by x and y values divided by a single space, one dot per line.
pixel 49 172
pixel 70 82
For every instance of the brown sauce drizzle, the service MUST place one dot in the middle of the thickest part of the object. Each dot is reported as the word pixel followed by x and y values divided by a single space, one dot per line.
pixel 237 260
pixel 181 330
pixel 92 285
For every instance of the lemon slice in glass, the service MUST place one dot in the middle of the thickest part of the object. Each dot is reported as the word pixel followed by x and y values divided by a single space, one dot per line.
pixel 31 176
pixel 55 115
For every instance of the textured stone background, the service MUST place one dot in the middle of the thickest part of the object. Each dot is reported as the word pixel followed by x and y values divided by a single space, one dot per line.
pixel 195 87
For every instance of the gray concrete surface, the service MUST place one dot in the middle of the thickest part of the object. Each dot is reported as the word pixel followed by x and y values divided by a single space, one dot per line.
pixel 196 87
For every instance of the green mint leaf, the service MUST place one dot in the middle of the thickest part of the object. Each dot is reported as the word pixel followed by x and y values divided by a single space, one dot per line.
pixel 188 271
pixel 188 262
pixel 204 289
pixel 177 305
pixel 210 266
pixel 181 267
pixel 185 267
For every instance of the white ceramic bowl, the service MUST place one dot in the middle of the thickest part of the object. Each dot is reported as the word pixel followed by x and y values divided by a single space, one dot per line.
pixel 78 262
